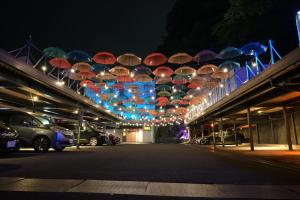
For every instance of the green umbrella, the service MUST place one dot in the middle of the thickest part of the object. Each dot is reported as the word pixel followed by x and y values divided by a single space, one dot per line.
pixel 178 93
pixel 55 52
pixel 164 94
pixel 163 88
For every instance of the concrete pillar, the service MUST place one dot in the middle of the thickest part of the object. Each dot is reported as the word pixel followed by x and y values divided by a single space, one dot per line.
pixel 250 129
pixel 235 133
pixel 202 131
pixel 80 119
pixel 222 132
pixel 294 127
pixel 213 131
pixel 287 129
pixel 257 134
pixel 272 131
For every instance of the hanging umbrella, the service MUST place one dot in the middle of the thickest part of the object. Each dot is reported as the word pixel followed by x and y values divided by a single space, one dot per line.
pixel 104 58
pixel 124 79
pixel 82 67
pixel 196 100
pixel 142 70
pixel 163 94
pixel 207 69
pixel 75 76
pixel 228 66
pixel 194 86
pixel 101 84
pixel 163 71
pixel 210 82
pixel 181 111
pixel 254 48
pixel 162 99
pixel 142 78
pixel 60 63
pixel 179 87
pixel 163 87
pixel 79 56
pixel 180 79
pixel 178 93
pixel 153 112
pixel 119 71
pixel 163 80
pixel 229 53
pixel 185 70
pixel 105 76
pixel 220 75
pixel 180 58
pixel 155 59
pixel 204 56
pixel 86 83
pixel 98 68
pixel 184 102
pixel 171 110
pixel 198 80
pixel 175 102
pixel 55 52
pixel 118 86
pixel 129 59
pixel 104 97
pixel 86 74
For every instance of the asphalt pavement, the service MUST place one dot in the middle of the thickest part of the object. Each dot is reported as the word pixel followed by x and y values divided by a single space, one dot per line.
pixel 157 166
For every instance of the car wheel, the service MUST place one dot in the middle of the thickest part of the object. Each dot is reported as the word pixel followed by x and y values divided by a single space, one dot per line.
pixel 41 144
pixel 58 149
pixel 93 141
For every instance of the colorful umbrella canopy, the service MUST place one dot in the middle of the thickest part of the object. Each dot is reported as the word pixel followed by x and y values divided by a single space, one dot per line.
pixel 196 100
pixel 60 63
pixel 197 80
pixel 119 71
pixel 155 59
pixel 125 79
pixel 185 70
pixel 220 75
pixel 98 68
pixel 163 71
pixel 210 82
pixel 142 78
pixel 75 76
pixel 163 80
pixel 142 70
pixel 129 59
pixel 86 83
pixel 163 87
pixel 118 86
pixel 229 53
pixel 194 86
pixel 162 99
pixel 181 111
pixel 82 67
pixel 163 94
pixel 105 76
pixel 228 66
pixel 101 84
pixel 55 52
pixel 180 58
pixel 180 79
pixel 204 56
pixel 207 69
pixel 104 58
pixel 178 93
pixel 179 87
pixel 79 56
pixel 87 74
pixel 253 48
pixel 104 97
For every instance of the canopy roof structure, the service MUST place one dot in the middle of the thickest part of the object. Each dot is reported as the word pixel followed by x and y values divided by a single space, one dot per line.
pixel 155 89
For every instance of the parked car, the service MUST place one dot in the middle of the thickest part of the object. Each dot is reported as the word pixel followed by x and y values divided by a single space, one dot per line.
pixel 9 138
pixel 88 134
pixel 33 133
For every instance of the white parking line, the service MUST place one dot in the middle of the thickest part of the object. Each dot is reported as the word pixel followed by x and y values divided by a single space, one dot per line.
pixel 151 188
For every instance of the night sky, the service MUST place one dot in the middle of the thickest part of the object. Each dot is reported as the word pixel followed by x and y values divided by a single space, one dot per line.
pixel 115 26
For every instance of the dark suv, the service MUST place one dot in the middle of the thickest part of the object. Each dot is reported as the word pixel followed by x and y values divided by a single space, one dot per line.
pixel 88 133
pixel 9 138
pixel 33 133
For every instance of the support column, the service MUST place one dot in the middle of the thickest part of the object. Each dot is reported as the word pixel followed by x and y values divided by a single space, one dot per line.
pixel 235 133
pixel 287 129
pixel 202 131
pixel 294 127
pixel 272 130
pixel 80 119
pixel 222 131
pixel 250 129
pixel 257 133
pixel 213 131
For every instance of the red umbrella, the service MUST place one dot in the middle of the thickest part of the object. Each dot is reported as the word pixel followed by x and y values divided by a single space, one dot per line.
pixel 220 75
pixel 85 83
pixel 180 58
pixel 60 63
pixel 118 86
pixel 163 80
pixel 82 66
pixel 207 69
pixel 162 99
pixel 155 59
pixel 163 71
pixel 194 85
pixel 125 79
pixel 104 58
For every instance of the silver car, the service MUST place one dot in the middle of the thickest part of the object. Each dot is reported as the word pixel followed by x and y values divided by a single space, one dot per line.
pixel 33 133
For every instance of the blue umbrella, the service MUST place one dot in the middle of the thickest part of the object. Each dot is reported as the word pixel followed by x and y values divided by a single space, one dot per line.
pixel 55 52
pixel 253 48
pixel 79 56
pixel 229 53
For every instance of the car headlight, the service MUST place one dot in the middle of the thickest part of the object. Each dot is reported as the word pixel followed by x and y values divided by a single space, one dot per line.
pixel 8 134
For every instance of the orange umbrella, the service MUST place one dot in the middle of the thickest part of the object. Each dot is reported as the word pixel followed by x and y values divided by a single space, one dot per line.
pixel 207 69
pixel 104 58
pixel 155 59
pixel 163 71
pixel 105 76
pixel 142 78
pixel 87 74
pixel 185 70
pixel 129 59
pixel 220 75
pixel 163 80
pixel 119 71
pixel 60 63
pixel 75 76
pixel 82 67
pixel 180 58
